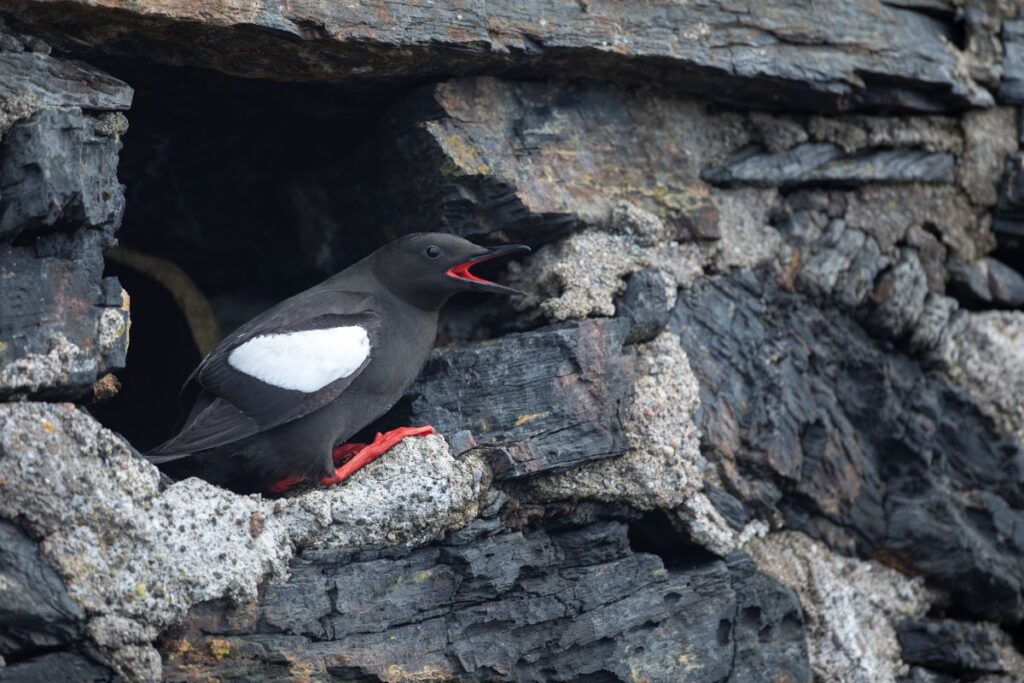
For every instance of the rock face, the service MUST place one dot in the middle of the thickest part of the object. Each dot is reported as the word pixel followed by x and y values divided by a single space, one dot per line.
pixel 829 55
pixel 62 325
pixel 571 603
pixel 760 415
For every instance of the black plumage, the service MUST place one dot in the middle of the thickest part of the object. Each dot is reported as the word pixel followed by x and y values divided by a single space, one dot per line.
pixel 250 433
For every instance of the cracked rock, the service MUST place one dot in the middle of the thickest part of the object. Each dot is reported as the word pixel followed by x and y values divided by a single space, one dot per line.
pixel 135 558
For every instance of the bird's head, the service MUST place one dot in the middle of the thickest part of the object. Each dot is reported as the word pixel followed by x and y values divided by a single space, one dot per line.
pixel 427 268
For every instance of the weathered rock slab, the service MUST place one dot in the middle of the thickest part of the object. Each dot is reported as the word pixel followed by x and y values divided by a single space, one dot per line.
pixel 534 401
pixel 865 450
pixel 529 606
pixel 825 164
pixel 36 613
pixel 135 556
pixel 830 55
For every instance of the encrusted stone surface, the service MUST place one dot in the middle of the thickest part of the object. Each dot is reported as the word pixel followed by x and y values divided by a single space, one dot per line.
pixel 62 326
pixel 663 467
pixel 135 558
pixel 987 358
pixel 852 608
pixel 746 331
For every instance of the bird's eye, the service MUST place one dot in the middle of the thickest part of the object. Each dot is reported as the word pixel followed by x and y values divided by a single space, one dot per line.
pixel 432 252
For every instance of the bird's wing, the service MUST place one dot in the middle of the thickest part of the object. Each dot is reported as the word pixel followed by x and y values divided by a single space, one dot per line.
pixel 282 365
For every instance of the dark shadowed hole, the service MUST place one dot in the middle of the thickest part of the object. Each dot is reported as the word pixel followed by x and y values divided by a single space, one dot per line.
pixel 653 533
pixel 236 182
pixel 218 171
pixel 161 355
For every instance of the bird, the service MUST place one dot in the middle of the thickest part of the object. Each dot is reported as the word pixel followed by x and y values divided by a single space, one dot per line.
pixel 271 407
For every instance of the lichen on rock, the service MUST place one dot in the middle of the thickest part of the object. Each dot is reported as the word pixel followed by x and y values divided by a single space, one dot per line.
pixel 851 607
pixel 137 557
pixel 986 357
pixel 663 468
pixel 581 275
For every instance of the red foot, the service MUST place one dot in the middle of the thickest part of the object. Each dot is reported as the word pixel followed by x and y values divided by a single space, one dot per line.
pixel 345 452
pixel 382 443
pixel 283 485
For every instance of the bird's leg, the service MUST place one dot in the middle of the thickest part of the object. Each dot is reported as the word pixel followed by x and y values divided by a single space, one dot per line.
pixel 382 443
pixel 345 451
pixel 283 485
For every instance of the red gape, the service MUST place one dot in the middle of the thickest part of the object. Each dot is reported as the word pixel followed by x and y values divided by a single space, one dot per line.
pixel 353 456
pixel 382 443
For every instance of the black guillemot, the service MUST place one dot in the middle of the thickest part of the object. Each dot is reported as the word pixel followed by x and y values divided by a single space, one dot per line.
pixel 268 405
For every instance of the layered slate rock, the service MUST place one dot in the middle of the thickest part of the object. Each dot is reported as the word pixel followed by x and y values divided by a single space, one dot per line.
pixel 810 418
pixel 534 402
pixel 831 55
pixel 36 80
pixel 527 161
pixel 812 414
pixel 825 164
pixel 62 325
pixel 534 605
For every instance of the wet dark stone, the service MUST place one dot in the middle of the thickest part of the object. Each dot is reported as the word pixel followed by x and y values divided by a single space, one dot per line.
pixel 853 442
pixel 645 304
pixel 947 646
pixel 542 605
pixel 35 610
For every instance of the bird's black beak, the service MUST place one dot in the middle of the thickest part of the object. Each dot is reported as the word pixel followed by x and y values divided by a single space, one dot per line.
pixel 461 272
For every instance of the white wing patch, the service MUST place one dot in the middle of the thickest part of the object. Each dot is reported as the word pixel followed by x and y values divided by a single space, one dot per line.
pixel 305 361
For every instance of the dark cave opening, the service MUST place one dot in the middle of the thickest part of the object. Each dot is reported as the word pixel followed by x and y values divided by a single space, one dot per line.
pixel 254 190
pixel 217 172
pixel 654 533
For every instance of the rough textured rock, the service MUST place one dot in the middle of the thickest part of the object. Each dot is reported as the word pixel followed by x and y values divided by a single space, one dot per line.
pixel 35 610
pixel 60 666
pixel 660 469
pixel 987 283
pixel 564 407
pixel 854 610
pixel 62 326
pixel 582 275
pixel 959 648
pixel 989 137
pixel 830 55
pixel 1011 90
pixel 36 81
pixel 60 169
pixel 987 358
pixel 647 303
pixel 528 606
pixel 135 558
pixel 486 156
pixel 49 355
pixel 741 337
pixel 804 398
pixel 826 164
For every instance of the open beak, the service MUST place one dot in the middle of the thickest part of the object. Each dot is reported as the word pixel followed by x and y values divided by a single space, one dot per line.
pixel 461 272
